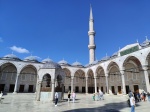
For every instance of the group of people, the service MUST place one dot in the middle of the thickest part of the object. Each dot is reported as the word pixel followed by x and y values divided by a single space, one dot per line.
pixel 70 96
pixel 137 97
pixel 98 96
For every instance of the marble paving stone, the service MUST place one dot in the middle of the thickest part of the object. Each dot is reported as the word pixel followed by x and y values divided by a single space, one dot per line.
pixel 25 102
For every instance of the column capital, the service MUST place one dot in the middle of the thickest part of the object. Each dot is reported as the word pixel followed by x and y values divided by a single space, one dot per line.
pixel 53 81
pixel 122 72
pixel 39 82
pixel 145 67
pixel 72 77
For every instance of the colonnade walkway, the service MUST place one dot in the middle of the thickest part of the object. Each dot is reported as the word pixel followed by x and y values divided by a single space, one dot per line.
pixel 25 102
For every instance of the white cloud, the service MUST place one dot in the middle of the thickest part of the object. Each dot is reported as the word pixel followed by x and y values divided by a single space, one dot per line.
pixel 19 49
pixel 1 40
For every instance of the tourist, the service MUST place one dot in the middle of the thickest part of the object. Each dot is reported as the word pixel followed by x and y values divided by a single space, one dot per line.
pixel 148 95
pixel 73 97
pixel 93 97
pixel 132 103
pixel 144 95
pixel 101 95
pixel 69 96
pixel 56 98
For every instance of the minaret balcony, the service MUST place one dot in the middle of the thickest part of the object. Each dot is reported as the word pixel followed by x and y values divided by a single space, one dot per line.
pixel 91 33
pixel 91 46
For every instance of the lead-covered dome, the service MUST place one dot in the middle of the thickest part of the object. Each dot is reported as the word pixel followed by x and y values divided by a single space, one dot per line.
pixel 77 64
pixel 105 58
pixel 145 43
pixel 11 56
pixel 63 62
pixel 46 60
pixel 31 58
pixel 50 65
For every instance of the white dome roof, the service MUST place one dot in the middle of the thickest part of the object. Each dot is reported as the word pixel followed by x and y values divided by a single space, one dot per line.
pixel 51 64
pixel 46 60
pixel 10 56
pixel 78 64
pixel 31 58
pixel 63 62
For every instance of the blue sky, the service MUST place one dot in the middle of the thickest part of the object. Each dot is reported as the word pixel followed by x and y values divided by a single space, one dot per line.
pixel 58 29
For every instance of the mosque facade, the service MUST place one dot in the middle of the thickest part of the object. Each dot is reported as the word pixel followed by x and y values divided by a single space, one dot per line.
pixel 126 70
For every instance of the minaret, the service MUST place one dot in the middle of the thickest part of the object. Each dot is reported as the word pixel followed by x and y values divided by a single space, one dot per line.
pixel 91 34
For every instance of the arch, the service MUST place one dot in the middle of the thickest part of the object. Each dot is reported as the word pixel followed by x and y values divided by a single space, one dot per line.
pixel 132 60
pixel 8 76
pixel 29 65
pixel 46 83
pixel 99 69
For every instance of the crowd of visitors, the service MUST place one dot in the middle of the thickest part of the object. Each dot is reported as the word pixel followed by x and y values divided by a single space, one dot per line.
pixel 135 97
pixel 98 96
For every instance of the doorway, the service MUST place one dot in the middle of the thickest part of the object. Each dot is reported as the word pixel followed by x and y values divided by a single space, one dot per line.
pixel 127 89
pixel 21 88
pixel 76 89
pixel 113 89
pixel 83 89
pixel 11 87
pixel 119 89
pixel 102 89
pixel 2 86
pixel 30 89
pixel 136 88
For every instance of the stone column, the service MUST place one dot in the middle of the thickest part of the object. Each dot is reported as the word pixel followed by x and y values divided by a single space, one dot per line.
pixel 39 91
pixel 123 82
pixel 36 83
pixel 107 83
pixel 62 91
pixel 53 89
pixel 95 84
pixel 145 68
pixel 86 79
pixel 16 84
pixel 72 77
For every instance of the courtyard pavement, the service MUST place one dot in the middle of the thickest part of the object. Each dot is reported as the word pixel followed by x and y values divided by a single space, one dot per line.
pixel 25 102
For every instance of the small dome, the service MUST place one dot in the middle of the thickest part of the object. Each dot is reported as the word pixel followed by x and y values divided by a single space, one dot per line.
pixel 11 56
pixel 46 60
pixel 51 64
pixel 31 58
pixel 77 64
pixel 63 62
pixel 87 65
pixel 145 43
pixel 105 58
pixel 115 54
pixel 94 62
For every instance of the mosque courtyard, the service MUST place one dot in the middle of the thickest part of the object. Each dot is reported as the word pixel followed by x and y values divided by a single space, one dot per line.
pixel 25 102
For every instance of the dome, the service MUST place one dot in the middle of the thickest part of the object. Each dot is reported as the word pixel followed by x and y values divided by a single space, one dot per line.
pixel 146 42
pixel 94 62
pixel 46 60
pixel 115 54
pixel 77 64
pixel 87 65
pixel 63 62
pixel 105 58
pixel 31 58
pixel 51 64
pixel 11 56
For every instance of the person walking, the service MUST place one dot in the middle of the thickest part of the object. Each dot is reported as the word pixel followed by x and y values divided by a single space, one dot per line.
pixel 69 96
pixel 56 98
pixel 73 97
pixel 148 95
pixel 132 103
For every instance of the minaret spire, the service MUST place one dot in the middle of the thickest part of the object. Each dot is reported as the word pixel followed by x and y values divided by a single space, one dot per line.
pixel 91 34
pixel 91 14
